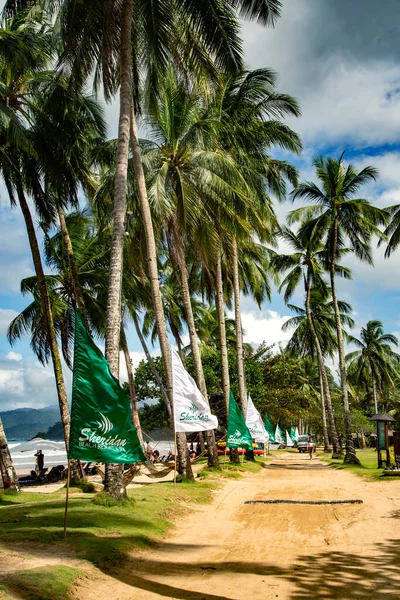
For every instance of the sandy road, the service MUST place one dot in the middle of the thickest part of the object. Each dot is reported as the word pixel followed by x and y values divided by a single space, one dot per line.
pixel 234 551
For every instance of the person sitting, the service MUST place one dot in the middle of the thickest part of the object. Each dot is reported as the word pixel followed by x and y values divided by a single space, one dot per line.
pixel 192 455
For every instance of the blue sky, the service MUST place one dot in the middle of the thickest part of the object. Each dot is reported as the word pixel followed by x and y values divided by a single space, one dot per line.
pixel 341 60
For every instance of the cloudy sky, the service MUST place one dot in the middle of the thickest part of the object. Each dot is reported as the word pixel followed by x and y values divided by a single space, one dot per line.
pixel 341 60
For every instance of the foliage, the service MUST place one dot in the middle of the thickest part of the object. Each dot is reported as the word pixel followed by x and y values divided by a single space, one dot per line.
pixel 55 432
pixel 279 384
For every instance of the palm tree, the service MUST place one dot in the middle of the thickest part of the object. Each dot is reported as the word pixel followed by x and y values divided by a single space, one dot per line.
pixel 7 470
pixel 25 52
pixel 249 111
pixel 305 266
pixel 343 218
pixel 375 362
pixel 301 342
pixel 186 173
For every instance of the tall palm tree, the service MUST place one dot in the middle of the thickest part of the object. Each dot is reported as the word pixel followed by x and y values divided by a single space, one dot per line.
pixel 250 113
pixel 375 362
pixel 301 343
pixel 187 172
pixel 306 266
pixel 26 50
pixel 346 220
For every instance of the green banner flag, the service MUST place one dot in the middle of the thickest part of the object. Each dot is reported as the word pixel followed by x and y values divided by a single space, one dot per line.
pixel 270 429
pixel 293 435
pixel 101 425
pixel 238 435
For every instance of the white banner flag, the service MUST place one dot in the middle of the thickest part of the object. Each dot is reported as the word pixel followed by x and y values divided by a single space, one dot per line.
pixel 278 435
pixel 297 434
pixel 191 411
pixel 289 442
pixel 255 423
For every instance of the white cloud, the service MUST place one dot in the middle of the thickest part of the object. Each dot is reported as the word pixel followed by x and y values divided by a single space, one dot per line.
pixel 266 326
pixel 13 356
pixel 136 357
pixel 6 316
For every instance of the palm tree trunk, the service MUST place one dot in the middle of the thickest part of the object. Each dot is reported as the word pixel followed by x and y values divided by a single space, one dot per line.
pixel 219 301
pixel 321 365
pixel 213 460
pixel 47 314
pixel 7 470
pixel 72 266
pixel 239 330
pixel 114 481
pixel 131 384
pixel 184 461
pixel 375 396
pixel 152 365
pixel 324 423
pixel 350 456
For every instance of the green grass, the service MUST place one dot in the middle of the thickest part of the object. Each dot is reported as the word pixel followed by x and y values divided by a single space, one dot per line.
pixel 368 468
pixel 101 534
pixel 43 583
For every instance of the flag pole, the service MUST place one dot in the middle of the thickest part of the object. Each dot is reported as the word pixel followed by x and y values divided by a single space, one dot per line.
pixel 66 500
pixel 175 458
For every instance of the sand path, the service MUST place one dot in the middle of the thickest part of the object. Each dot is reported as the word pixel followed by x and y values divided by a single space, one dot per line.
pixel 234 551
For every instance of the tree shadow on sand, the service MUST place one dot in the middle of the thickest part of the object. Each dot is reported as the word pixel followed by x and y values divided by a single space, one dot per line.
pixel 343 575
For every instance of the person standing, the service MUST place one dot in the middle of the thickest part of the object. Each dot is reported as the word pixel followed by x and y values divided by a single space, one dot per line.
pixel 310 446
pixel 39 462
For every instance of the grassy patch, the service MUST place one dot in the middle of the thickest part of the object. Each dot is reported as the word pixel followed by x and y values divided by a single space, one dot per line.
pixel 368 468
pixel 99 533
pixel 43 583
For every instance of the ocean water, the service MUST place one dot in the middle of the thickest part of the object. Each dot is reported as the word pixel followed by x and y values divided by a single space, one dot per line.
pixel 24 462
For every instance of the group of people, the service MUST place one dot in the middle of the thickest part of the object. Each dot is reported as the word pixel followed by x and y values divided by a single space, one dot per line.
pixel 154 455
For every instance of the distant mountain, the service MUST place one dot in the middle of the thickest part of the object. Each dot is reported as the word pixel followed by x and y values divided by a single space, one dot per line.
pixel 23 423
pixel 55 433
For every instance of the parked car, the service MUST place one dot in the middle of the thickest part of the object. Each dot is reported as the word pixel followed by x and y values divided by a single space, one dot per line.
pixel 302 443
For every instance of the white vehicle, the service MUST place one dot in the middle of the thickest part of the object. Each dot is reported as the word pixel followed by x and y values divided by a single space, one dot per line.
pixel 302 443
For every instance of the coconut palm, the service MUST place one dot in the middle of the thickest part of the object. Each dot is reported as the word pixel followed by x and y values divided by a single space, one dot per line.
pixel 305 266
pixel 346 220
pixel 188 173
pixel 375 362
pixel 7 470
pixel 26 50
pixel 301 342
pixel 250 113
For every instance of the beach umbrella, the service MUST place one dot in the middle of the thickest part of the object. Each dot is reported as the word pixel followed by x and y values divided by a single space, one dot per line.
pixel 39 444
